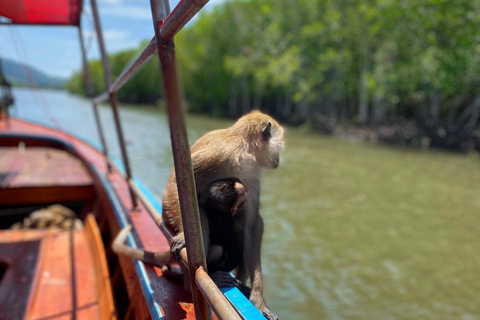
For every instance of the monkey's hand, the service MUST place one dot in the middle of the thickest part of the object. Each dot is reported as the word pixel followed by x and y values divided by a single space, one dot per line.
pixel 177 244
pixel 259 303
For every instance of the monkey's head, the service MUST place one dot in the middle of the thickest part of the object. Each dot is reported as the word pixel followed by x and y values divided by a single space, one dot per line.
pixel 263 135
pixel 226 195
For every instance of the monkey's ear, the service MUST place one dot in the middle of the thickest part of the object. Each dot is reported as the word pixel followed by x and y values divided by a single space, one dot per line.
pixel 267 134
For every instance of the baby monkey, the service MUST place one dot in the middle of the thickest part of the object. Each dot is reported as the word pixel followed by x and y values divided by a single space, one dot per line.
pixel 226 221
pixel 223 206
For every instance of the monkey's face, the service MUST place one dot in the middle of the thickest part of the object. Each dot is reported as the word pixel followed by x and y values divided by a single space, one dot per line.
pixel 263 135
pixel 271 143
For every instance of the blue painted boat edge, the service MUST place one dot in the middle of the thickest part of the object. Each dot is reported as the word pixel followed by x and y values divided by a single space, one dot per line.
pixel 236 298
pixel 242 304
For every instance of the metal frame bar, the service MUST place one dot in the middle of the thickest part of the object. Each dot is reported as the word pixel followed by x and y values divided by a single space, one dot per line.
pixel 101 98
pixel 112 97
pixel 169 26
pixel 181 155
pixel 86 78
pixel 183 12
pixel 5 89
pixel 130 69
pixel 221 307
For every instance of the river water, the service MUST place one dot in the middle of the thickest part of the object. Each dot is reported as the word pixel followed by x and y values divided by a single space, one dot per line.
pixel 352 230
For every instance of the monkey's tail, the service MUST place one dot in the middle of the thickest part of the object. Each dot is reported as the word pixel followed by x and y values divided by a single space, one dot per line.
pixel 155 258
pixel 119 246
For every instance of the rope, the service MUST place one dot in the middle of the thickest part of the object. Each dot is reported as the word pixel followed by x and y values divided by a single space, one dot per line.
pixel 91 34
pixel 37 95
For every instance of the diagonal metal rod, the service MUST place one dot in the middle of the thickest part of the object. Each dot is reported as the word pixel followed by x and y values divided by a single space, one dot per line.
pixel 130 69
pixel 112 97
pixel 187 194
pixel 183 12
pixel 88 81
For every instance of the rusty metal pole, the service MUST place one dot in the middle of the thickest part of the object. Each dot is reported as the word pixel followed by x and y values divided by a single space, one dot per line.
pixel 88 82
pixel 223 309
pixel 112 97
pixel 181 155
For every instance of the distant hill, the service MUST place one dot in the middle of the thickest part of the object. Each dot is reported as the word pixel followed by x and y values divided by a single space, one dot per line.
pixel 15 73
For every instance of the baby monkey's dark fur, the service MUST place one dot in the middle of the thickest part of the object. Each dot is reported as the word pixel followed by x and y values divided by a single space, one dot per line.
pixel 226 220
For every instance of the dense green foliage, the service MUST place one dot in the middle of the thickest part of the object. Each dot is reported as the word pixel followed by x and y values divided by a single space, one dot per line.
pixel 143 88
pixel 325 61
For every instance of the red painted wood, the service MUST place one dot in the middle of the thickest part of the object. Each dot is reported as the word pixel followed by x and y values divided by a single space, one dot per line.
pixel 173 299
pixel 64 281
pixel 39 166
pixel 20 259
pixel 103 281
pixel 62 12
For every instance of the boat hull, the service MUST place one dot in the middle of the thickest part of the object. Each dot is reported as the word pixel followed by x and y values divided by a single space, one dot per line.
pixel 106 194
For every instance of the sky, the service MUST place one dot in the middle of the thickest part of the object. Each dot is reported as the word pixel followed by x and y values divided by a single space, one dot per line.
pixel 56 50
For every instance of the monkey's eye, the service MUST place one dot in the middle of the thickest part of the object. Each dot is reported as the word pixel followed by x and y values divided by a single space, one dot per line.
pixel 267 132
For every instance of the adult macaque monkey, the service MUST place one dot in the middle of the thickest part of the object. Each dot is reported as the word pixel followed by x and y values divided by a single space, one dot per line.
pixel 241 151
pixel 252 143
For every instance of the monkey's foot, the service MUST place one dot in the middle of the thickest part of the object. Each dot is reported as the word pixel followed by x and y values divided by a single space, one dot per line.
pixel 178 243
pixel 259 303
pixel 268 314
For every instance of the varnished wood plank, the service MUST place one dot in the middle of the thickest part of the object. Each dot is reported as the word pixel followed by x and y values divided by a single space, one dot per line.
pixel 105 296
pixel 66 284
pixel 47 195
pixel 20 259
pixel 40 166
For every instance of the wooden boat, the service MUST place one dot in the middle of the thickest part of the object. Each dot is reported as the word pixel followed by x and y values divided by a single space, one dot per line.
pixel 71 273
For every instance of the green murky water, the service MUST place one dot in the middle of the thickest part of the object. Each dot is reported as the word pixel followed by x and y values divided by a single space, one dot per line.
pixel 353 230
